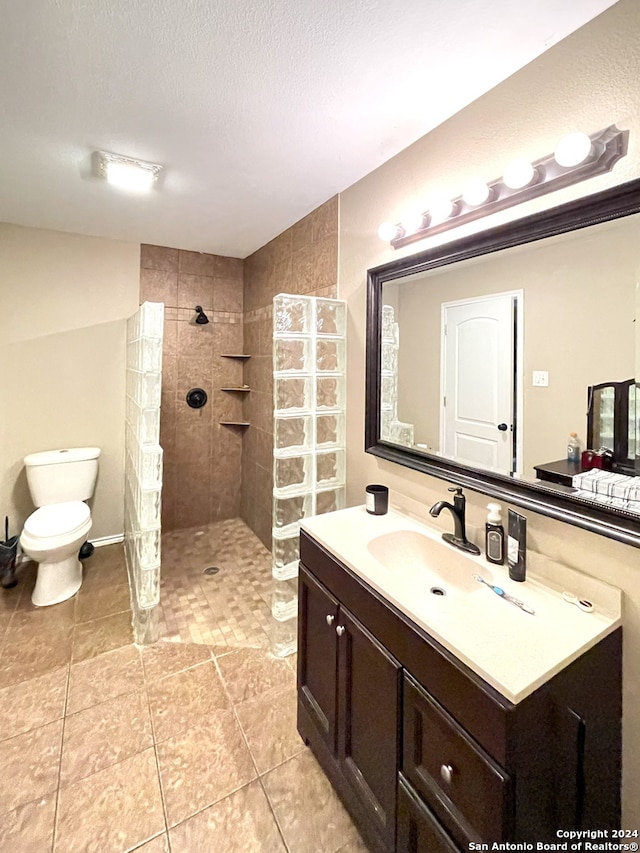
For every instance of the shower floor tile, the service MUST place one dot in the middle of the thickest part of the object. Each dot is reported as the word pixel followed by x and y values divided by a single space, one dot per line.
pixel 188 744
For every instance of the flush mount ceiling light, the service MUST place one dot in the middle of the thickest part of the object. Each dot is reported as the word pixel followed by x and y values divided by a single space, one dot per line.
pixel 576 158
pixel 127 173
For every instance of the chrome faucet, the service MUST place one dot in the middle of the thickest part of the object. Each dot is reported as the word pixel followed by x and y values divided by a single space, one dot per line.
pixel 459 536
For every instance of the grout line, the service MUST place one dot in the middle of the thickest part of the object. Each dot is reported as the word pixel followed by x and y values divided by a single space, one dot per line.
pixel 62 731
pixel 272 810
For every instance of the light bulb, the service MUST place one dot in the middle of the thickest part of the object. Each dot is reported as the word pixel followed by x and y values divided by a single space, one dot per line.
pixel 519 173
pixel 476 193
pixel 573 149
pixel 440 208
pixel 129 176
pixel 412 222
pixel 388 232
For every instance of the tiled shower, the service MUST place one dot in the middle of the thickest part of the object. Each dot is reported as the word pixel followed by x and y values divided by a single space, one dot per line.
pixel 218 459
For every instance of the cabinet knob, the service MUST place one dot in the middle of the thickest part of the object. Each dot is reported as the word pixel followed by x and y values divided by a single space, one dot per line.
pixel 446 773
pixel 340 630
pixel 330 619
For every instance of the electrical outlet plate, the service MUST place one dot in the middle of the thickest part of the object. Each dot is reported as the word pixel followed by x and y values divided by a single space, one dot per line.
pixel 540 378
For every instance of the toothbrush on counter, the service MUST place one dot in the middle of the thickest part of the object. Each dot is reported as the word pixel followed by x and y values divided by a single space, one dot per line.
pixel 499 591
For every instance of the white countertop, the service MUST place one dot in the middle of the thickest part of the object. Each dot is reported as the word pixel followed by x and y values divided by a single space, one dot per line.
pixel 515 652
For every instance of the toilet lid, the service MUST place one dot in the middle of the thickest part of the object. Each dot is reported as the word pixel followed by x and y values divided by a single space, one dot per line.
pixel 57 519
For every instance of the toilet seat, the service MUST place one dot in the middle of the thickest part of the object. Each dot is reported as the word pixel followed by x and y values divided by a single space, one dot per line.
pixel 58 520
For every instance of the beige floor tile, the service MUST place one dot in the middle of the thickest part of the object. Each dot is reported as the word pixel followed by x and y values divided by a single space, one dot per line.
pixel 103 677
pixel 27 653
pixel 33 703
pixel 355 846
pixel 106 567
pixel 95 602
pixel 164 658
pixel 292 660
pixel 29 765
pixel 52 618
pixel 248 673
pixel 101 635
pixel 8 601
pixel 200 766
pixel 29 828
pixel 269 725
pixel 159 844
pixel 103 735
pixel 309 813
pixel 181 701
pixel 113 810
pixel 239 823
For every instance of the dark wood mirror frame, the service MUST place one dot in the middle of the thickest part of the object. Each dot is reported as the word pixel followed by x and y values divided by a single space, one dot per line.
pixel 615 203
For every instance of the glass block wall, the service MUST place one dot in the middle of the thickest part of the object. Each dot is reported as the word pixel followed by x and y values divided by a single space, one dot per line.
pixel 390 427
pixel 309 386
pixel 143 466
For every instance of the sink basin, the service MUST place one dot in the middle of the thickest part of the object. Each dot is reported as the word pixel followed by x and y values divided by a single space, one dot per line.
pixel 403 560
pixel 427 561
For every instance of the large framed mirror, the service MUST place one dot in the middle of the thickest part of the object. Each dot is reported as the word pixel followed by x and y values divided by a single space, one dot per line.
pixel 483 355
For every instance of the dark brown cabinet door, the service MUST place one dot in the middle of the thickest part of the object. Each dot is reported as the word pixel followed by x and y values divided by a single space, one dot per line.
pixel 369 683
pixel 317 654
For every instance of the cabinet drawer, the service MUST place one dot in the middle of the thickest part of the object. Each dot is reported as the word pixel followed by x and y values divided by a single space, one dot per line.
pixel 467 789
pixel 418 829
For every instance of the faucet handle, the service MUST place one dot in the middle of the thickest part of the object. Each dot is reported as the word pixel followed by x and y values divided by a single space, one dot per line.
pixel 456 489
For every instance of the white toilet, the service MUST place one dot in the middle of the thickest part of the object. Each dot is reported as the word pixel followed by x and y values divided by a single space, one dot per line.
pixel 59 482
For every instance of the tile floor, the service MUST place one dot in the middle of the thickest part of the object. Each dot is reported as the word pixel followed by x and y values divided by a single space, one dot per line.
pixel 185 746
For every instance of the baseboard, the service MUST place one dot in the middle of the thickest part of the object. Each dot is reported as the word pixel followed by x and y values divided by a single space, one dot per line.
pixel 107 540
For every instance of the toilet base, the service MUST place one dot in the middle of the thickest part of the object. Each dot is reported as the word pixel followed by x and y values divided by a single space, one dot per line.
pixel 58 581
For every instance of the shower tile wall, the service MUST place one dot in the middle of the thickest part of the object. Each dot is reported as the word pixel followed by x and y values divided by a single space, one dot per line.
pixel 202 459
pixel 304 260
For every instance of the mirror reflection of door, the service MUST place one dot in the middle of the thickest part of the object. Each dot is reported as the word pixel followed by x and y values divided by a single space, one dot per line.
pixel 479 382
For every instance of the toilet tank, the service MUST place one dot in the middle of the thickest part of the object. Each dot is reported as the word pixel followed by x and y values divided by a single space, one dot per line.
pixel 55 476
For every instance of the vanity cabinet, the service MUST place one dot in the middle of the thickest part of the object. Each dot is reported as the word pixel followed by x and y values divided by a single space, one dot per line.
pixel 349 687
pixel 426 755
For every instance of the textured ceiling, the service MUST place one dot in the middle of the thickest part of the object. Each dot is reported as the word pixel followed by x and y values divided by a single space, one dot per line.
pixel 259 111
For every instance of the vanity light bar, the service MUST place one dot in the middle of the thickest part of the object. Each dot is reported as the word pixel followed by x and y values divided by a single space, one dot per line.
pixel 606 148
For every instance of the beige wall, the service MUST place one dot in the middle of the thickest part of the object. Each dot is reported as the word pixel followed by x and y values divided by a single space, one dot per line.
pixel 64 300
pixel 303 259
pixel 586 82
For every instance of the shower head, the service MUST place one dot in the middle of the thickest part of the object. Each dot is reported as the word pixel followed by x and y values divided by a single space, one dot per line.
pixel 201 317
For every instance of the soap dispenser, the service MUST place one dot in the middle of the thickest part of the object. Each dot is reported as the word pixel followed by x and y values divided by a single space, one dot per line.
pixel 494 535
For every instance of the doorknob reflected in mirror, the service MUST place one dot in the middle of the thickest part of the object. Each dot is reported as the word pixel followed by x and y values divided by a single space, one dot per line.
pixel 330 619
pixel 503 427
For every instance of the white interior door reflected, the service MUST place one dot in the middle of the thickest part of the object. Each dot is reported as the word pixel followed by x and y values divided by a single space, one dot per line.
pixel 478 339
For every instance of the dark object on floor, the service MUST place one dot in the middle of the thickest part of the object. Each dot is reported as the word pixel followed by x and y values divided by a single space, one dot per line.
pixel 212 570
pixel 86 551
pixel 8 551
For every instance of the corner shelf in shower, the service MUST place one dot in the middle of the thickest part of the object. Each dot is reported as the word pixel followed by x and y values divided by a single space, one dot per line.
pixel 235 423
pixel 242 388
pixel 234 355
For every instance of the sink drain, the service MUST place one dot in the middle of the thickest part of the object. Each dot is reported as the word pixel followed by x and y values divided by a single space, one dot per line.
pixel 437 590
pixel 212 570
